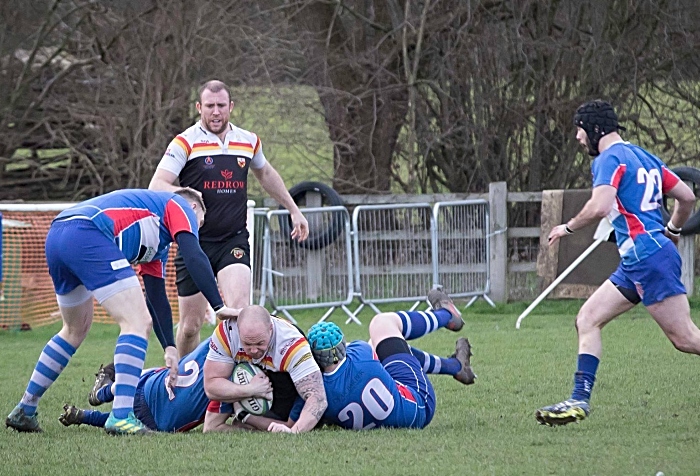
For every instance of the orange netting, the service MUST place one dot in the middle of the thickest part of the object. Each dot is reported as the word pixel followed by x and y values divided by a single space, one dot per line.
pixel 28 296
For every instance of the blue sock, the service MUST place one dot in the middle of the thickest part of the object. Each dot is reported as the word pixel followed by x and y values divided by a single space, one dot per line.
pixel 585 377
pixel 419 323
pixel 105 394
pixel 52 361
pixel 128 363
pixel 95 418
pixel 434 364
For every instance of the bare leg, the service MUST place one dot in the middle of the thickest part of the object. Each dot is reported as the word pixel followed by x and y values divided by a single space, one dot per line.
pixel 192 314
pixel 673 316
pixel 604 305
pixel 234 282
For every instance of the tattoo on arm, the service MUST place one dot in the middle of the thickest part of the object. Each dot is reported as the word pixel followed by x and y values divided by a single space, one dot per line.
pixel 311 390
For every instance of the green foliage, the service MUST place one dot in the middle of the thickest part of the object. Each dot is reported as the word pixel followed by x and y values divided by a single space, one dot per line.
pixel 644 419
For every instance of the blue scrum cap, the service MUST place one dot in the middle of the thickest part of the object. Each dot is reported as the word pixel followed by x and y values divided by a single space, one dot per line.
pixel 327 343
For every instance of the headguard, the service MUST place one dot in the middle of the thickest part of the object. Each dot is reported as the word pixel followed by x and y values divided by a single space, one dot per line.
pixel 327 343
pixel 597 118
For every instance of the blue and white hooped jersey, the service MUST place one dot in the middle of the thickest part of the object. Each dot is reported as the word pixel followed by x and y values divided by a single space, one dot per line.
pixel 641 179
pixel 362 395
pixel 183 407
pixel 143 223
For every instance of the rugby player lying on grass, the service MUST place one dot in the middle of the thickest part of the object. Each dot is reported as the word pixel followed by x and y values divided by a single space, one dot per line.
pixel 394 391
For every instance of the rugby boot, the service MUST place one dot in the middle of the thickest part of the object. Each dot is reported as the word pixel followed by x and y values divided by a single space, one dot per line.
pixel 463 353
pixel 568 411
pixel 71 415
pixel 439 299
pixel 103 377
pixel 22 422
pixel 127 426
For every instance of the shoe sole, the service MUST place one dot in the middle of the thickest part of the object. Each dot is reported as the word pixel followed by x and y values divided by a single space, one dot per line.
pixel 67 418
pixel 130 429
pixel 21 429
pixel 547 418
pixel 124 433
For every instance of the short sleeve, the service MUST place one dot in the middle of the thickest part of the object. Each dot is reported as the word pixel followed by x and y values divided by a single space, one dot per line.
pixel 175 156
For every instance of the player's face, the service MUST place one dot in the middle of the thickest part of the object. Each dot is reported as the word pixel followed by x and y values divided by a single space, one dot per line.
pixel 214 110
pixel 582 139
pixel 255 342
pixel 200 216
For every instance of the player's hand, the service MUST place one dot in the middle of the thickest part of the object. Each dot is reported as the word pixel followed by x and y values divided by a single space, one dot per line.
pixel 260 386
pixel 300 232
pixel 279 427
pixel 674 238
pixel 228 313
pixel 171 361
pixel 556 233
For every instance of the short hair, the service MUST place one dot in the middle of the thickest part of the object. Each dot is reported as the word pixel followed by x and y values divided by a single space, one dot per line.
pixel 191 196
pixel 214 86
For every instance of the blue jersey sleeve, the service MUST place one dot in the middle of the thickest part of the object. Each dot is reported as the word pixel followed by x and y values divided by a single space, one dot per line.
pixel 607 170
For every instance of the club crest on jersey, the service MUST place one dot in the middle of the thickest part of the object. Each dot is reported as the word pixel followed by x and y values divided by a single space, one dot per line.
pixel 208 163
pixel 241 162
pixel 227 174
pixel 237 253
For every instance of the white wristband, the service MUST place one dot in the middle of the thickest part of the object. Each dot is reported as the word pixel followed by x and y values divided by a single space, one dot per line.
pixel 672 228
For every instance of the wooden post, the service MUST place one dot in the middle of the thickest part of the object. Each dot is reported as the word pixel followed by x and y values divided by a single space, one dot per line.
pixel 551 216
pixel 686 248
pixel 498 241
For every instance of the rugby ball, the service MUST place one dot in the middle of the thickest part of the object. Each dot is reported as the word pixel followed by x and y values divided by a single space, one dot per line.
pixel 243 373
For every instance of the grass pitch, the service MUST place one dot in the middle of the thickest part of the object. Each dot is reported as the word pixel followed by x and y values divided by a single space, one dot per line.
pixel 645 418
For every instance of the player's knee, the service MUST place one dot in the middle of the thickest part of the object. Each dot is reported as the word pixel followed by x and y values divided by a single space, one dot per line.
pixel 189 327
pixel 685 343
pixel 77 331
pixel 584 322
pixel 142 325
pixel 383 322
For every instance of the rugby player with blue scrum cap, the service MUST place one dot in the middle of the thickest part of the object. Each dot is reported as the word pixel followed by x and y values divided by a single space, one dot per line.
pixel 393 391
pixel 90 248
pixel 628 186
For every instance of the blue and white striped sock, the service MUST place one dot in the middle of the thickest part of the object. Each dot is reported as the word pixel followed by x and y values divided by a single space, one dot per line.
pixel 128 363
pixel 52 361
pixel 434 364
pixel 419 323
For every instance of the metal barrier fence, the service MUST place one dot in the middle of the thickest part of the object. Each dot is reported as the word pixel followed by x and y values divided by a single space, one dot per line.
pixel 393 253
pixel 461 248
pixel 316 273
pixel 399 251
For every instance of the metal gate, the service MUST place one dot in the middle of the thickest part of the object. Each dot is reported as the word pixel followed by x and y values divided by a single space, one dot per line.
pixel 393 253
pixel 316 273
pixel 461 248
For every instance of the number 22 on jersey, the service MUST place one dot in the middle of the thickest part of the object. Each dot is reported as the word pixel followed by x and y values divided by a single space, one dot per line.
pixel 653 190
